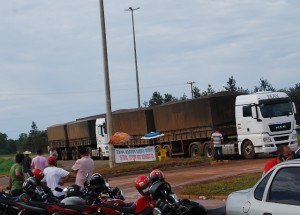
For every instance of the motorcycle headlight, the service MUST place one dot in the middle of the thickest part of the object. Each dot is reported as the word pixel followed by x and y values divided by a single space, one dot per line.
pixel 267 139
pixel 106 147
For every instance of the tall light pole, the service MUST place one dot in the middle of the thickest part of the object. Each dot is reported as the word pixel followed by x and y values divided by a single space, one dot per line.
pixel 106 84
pixel 135 57
pixel 191 83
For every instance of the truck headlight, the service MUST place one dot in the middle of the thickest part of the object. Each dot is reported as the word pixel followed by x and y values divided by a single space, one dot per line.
pixel 294 136
pixel 267 139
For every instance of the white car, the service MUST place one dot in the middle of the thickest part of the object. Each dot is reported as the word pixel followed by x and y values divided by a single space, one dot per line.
pixel 277 193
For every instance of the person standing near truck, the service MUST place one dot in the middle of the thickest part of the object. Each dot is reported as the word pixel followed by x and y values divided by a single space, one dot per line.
pixel 217 140
pixel 83 167
pixel 39 162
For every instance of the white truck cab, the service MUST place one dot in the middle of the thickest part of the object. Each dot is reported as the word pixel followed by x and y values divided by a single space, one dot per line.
pixel 264 121
pixel 102 150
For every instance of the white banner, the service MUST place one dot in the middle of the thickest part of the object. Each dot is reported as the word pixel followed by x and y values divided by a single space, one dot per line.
pixel 135 154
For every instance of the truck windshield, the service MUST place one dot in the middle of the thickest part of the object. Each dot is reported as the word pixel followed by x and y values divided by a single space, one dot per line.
pixel 276 109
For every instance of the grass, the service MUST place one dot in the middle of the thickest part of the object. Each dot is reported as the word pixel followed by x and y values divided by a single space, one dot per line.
pixel 146 167
pixel 5 165
pixel 221 187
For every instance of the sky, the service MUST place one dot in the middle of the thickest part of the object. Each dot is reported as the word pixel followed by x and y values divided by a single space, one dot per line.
pixel 51 53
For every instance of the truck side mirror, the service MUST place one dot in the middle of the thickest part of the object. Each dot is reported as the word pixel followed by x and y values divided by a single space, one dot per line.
pixel 254 112
pixel 294 107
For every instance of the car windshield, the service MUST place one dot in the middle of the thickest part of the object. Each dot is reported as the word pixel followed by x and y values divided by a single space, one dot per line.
pixel 276 109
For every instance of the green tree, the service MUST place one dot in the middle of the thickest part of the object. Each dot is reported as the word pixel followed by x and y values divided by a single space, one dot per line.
pixel 294 93
pixel 196 92
pixel 242 90
pixel 169 98
pixel 264 85
pixel 183 97
pixel 231 85
pixel 145 104
pixel 22 142
pixel 209 91
pixel 156 99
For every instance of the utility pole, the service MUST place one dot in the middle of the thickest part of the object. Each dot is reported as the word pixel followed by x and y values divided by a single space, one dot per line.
pixel 135 56
pixel 107 85
pixel 191 83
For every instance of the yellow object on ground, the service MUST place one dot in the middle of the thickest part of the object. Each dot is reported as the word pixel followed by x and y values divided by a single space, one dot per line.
pixel 162 154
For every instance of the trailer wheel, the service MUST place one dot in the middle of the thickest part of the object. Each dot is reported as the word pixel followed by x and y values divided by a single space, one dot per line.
pixel 248 150
pixel 100 154
pixel 157 149
pixel 74 154
pixel 194 151
pixel 208 150
pixel 169 150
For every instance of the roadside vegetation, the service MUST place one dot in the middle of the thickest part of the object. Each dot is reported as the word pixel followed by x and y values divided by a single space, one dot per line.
pixel 5 165
pixel 221 187
pixel 146 167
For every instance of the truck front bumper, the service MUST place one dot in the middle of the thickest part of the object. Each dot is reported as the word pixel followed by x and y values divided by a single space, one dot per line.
pixel 271 143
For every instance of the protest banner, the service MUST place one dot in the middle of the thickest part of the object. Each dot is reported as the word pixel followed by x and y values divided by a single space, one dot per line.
pixel 135 154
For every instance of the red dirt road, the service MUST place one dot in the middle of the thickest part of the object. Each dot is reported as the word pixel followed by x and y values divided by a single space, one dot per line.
pixel 184 176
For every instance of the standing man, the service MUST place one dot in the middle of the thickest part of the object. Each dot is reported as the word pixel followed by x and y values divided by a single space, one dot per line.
pixel 55 177
pixel 39 162
pixel 27 165
pixel 16 176
pixel 217 140
pixel 83 166
pixel 53 152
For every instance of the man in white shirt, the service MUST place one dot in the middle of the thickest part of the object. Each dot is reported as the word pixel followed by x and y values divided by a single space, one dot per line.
pixel 55 177
pixel 83 167
pixel 217 140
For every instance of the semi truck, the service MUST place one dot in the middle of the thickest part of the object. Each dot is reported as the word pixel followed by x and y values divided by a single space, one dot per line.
pixel 251 124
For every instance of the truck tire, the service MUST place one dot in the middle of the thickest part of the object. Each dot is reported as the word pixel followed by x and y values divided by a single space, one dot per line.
pixel 195 151
pixel 74 154
pixel 100 154
pixel 169 150
pixel 157 149
pixel 248 150
pixel 208 150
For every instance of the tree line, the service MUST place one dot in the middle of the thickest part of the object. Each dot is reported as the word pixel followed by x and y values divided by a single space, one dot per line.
pixel 32 141
pixel 231 86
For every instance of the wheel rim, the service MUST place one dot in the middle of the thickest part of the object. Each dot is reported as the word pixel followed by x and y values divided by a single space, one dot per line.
pixel 249 150
pixel 208 151
pixel 195 152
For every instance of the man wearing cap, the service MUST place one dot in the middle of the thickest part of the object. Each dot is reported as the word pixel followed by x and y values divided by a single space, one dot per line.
pixel 27 165
pixel 83 167
pixel 55 177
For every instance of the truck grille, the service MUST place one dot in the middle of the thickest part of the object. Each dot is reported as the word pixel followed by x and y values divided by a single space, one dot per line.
pixel 281 138
pixel 280 127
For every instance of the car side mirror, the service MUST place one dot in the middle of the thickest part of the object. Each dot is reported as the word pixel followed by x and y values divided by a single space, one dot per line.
pixel 254 112
pixel 294 107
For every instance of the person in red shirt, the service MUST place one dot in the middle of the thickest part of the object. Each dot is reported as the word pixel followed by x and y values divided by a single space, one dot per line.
pixel 284 153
